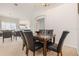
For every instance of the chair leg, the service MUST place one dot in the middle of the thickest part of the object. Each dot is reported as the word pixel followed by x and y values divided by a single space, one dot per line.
pixel 58 54
pixel 34 53
pixel 27 51
pixel 43 51
pixel 47 49
pixel 53 39
pixel 16 37
pixel 3 39
pixel 61 53
pixel 11 38
pixel 23 46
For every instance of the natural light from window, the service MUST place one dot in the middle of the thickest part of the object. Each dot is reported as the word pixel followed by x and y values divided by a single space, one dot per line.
pixel 8 26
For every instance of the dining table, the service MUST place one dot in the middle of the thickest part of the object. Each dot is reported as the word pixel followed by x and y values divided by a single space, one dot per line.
pixel 43 39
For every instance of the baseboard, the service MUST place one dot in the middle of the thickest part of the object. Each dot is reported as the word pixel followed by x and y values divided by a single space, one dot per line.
pixel 77 51
pixel 70 45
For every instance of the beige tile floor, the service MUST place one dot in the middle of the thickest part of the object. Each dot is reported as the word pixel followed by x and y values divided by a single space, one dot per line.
pixel 14 48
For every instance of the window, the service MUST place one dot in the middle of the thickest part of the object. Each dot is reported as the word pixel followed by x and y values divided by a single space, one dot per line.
pixel 8 26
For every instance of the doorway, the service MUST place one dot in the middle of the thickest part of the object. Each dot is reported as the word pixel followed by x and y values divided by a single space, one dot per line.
pixel 40 23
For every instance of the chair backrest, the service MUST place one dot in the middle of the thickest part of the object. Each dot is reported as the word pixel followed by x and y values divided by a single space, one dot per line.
pixel 17 33
pixel 23 38
pixel 1 33
pixel 42 31
pixel 27 30
pixel 47 32
pixel 22 35
pixel 7 33
pixel 61 41
pixel 50 33
pixel 29 38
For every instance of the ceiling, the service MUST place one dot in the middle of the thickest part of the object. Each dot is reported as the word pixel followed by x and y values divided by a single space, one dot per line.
pixel 23 10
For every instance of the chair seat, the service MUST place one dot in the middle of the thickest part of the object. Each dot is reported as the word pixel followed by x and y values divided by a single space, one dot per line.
pixel 38 45
pixel 52 46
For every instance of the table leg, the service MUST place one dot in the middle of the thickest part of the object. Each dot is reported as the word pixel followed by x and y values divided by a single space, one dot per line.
pixel 45 47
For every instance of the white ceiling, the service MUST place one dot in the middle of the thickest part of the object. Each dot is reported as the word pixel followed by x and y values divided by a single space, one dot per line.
pixel 23 10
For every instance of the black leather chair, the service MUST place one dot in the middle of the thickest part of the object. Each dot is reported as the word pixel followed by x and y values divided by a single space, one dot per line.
pixel 7 34
pixel 23 38
pixel 16 34
pixel 42 31
pixel 24 41
pixel 1 33
pixel 58 47
pixel 48 32
pixel 32 45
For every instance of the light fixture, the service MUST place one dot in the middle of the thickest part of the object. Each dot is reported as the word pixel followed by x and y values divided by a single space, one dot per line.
pixel 15 4
pixel 44 4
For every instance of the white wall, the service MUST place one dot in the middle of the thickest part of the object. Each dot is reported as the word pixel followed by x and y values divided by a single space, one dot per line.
pixel 78 33
pixel 25 22
pixel 20 12
pixel 63 17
